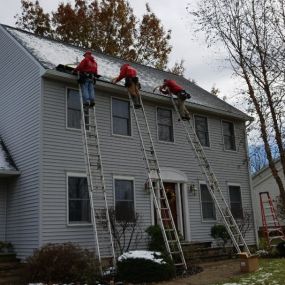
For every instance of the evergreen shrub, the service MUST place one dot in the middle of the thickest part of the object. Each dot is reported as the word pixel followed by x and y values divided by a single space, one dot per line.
pixel 140 270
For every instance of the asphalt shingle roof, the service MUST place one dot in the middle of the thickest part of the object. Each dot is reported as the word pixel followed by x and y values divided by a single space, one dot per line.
pixel 51 53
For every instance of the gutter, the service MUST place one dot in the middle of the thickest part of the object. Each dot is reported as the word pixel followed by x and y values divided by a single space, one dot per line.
pixel 8 173
pixel 103 84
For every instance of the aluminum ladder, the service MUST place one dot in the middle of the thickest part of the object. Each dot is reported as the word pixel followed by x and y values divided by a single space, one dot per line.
pixel 96 183
pixel 161 204
pixel 271 225
pixel 213 185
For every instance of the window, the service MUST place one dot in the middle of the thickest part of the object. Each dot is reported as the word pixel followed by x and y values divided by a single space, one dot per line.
pixel 73 109
pixel 235 200
pixel 165 125
pixel 124 197
pixel 229 135
pixel 201 128
pixel 208 207
pixel 78 200
pixel 121 117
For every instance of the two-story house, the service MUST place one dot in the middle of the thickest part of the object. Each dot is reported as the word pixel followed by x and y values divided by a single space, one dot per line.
pixel 40 126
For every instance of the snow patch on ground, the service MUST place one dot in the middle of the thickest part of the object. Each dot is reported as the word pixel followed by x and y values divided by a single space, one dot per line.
pixel 149 255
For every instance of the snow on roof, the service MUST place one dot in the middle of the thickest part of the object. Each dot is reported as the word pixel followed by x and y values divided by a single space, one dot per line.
pixel 144 254
pixel 5 160
pixel 51 53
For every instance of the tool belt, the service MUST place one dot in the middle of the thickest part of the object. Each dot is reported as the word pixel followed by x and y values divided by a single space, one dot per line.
pixel 83 76
pixel 130 80
pixel 183 95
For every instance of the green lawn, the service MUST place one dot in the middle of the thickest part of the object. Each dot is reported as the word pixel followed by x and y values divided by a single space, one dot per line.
pixel 271 272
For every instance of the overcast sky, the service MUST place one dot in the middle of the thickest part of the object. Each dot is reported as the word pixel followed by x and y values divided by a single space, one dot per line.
pixel 206 66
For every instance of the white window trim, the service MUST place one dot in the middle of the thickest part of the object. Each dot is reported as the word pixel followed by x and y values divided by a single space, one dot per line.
pixel 74 174
pixel 127 178
pixel 209 221
pixel 173 129
pixel 229 150
pixel 111 114
pixel 241 196
pixel 198 115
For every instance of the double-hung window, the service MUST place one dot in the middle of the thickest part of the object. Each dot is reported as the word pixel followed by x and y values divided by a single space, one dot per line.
pixel 165 125
pixel 208 207
pixel 201 128
pixel 236 202
pixel 121 117
pixel 78 201
pixel 229 135
pixel 124 200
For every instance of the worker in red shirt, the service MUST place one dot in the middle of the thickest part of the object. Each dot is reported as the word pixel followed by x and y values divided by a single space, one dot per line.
pixel 170 86
pixel 131 82
pixel 87 70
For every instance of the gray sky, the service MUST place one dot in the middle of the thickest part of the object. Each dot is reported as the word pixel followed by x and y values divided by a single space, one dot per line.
pixel 202 64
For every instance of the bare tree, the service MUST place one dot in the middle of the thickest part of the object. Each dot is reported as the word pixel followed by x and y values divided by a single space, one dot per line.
pixel 253 32
pixel 125 232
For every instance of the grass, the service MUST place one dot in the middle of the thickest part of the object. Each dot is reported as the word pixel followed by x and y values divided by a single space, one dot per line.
pixel 271 272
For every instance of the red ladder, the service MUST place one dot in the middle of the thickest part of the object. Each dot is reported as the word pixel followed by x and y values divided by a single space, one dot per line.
pixel 271 226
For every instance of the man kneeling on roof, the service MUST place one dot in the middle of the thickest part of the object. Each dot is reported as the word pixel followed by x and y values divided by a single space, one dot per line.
pixel 87 70
pixel 170 86
pixel 131 82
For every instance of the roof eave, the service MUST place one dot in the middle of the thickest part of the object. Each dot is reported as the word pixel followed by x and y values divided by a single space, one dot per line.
pixel 9 173
pixel 104 84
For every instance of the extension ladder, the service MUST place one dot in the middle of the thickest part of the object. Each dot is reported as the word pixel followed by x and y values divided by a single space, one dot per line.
pixel 158 192
pixel 213 185
pixel 96 182
pixel 271 226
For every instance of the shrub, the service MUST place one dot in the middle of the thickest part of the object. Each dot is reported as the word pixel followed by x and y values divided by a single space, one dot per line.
pixel 220 232
pixel 61 263
pixel 156 241
pixel 281 248
pixel 140 270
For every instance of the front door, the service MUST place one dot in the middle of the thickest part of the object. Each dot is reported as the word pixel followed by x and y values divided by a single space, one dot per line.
pixel 171 197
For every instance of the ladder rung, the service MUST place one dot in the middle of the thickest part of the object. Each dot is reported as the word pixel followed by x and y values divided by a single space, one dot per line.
pixel 172 241
pixel 169 230
pixel 179 264
pixel 166 219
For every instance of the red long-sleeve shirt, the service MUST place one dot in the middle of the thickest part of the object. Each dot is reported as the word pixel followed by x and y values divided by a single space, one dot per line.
pixel 173 87
pixel 88 64
pixel 126 71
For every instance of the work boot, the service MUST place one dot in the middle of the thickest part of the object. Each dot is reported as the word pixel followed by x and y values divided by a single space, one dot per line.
pixel 92 104
pixel 138 106
pixel 86 104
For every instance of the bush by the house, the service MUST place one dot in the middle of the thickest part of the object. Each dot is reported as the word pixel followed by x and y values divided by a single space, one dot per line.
pixel 139 269
pixel 61 263
pixel 219 232
pixel 156 241
pixel 281 248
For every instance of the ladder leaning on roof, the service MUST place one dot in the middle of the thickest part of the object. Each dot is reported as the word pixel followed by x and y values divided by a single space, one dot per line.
pixel 96 181
pixel 213 185
pixel 162 207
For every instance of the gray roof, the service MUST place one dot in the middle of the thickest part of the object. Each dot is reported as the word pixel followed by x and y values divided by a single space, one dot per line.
pixel 50 53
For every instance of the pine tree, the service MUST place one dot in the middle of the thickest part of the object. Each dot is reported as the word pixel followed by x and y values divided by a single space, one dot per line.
pixel 33 19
